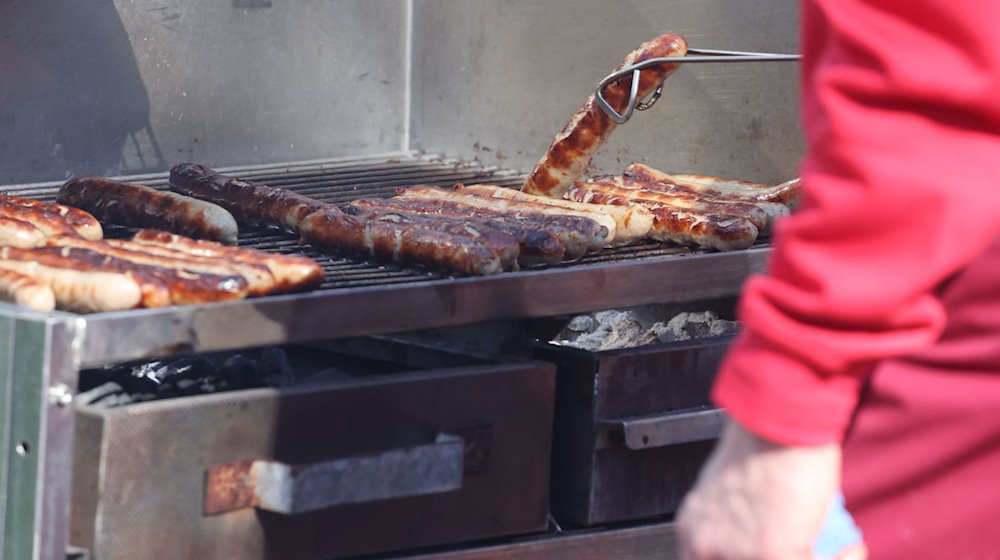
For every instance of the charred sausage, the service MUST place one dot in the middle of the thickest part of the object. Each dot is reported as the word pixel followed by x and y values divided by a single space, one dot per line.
pixel 291 273
pixel 334 230
pixel 679 225
pixel 86 225
pixel 49 223
pixel 535 246
pixel 631 222
pixel 249 202
pixel 139 206
pixel 76 285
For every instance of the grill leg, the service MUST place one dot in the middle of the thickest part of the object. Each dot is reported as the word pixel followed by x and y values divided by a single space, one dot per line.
pixel 38 371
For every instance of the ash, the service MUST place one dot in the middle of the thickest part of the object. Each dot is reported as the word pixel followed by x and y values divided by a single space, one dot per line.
pixel 614 330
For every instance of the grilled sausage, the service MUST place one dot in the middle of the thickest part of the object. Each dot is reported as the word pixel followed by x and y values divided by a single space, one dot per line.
pixel 290 273
pixel 725 189
pixel 231 281
pixel 86 225
pixel 679 225
pixel 334 230
pixel 23 235
pixel 573 148
pixel 647 192
pixel 161 286
pixel 535 246
pixel 139 206
pixel 25 290
pixel 631 222
pixel 578 233
pixel 49 223
pixel 76 285
pixel 249 202
pixel 503 244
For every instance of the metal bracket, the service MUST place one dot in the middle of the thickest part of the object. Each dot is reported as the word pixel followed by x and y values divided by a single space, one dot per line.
pixel 701 56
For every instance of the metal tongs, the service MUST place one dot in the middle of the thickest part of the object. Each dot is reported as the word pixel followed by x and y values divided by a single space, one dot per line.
pixel 701 55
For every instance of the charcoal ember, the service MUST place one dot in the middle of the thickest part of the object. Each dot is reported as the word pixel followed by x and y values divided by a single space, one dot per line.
pixel 613 330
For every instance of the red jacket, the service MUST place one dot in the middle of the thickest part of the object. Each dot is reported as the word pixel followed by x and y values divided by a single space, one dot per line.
pixel 878 324
pixel 901 109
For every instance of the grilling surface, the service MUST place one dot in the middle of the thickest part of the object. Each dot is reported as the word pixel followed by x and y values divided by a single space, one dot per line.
pixel 344 182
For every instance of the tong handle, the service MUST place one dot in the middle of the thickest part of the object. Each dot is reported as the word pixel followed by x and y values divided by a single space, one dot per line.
pixel 700 56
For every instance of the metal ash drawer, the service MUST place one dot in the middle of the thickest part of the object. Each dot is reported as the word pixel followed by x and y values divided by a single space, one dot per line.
pixel 446 449
pixel 632 428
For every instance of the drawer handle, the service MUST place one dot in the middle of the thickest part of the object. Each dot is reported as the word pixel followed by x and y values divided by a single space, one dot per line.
pixel 646 432
pixel 292 489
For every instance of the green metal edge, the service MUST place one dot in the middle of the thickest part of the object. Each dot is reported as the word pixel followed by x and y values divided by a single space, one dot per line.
pixel 24 421
pixel 6 359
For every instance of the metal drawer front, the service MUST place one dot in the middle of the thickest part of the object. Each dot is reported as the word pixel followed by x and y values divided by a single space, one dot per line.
pixel 150 466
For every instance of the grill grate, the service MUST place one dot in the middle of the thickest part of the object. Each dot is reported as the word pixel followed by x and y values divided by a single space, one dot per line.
pixel 342 182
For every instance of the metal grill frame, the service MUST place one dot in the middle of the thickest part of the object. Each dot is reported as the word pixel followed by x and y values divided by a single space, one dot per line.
pixel 359 298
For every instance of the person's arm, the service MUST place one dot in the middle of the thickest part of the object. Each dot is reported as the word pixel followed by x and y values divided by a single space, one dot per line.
pixel 901 191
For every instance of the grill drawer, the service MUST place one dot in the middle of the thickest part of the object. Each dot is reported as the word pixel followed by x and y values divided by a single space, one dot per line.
pixel 632 428
pixel 455 444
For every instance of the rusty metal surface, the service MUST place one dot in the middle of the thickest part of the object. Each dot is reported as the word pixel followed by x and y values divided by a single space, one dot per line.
pixel 151 474
pixel 230 487
pixel 295 489
pixel 606 480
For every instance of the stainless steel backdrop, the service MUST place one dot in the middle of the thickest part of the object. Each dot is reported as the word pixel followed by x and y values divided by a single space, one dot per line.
pixel 500 78
pixel 133 86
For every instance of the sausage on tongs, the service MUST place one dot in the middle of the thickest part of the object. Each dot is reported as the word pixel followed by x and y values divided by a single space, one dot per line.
pixel 574 147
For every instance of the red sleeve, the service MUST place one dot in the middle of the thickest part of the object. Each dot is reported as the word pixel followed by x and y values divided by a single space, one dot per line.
pixel 901 110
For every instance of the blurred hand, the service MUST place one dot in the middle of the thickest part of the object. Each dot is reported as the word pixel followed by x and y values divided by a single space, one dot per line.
pixel 758 500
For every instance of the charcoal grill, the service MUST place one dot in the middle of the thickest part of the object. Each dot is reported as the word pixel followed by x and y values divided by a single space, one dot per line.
pixel 356 298
pixel 360 297
pixel 381 87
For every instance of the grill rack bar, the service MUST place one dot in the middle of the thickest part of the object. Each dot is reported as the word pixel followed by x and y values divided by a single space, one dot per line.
pixel 359 297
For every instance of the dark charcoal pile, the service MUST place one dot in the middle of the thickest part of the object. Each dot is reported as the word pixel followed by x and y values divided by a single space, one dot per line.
pixel 164 379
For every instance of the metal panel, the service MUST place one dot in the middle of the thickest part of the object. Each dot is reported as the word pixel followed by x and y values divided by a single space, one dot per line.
pixel 38 424
pixel 497 80
pixel 606 479
pixel 132 86
pixel 151 484
pixel 338 313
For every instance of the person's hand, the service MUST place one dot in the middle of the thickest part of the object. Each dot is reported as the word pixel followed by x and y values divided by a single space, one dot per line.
pixel 758 500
